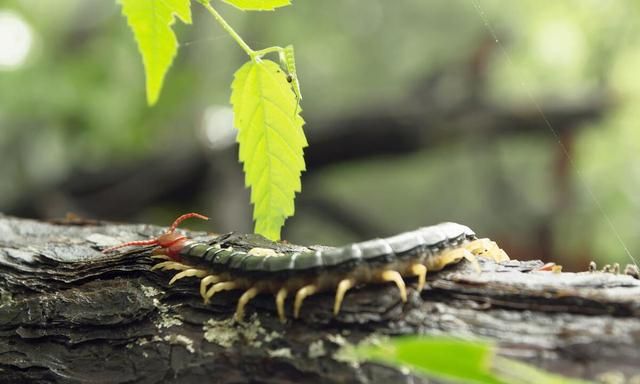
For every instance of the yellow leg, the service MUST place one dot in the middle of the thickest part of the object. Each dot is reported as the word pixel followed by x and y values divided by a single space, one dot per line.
pixel 487 249
pixel 244 299
pixel 632 270
pixel 170 265
pixel 188 273
pixel 394 276
pixel 160 257
pixel 302 293
pixel 280 298
pixel 438 262
pixel 343 287
pixel 420 271
pixel 453 256
pixel 473 259
pixel 224 286
pixel 204 284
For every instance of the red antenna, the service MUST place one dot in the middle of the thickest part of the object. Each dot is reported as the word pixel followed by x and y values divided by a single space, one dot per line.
pixel 183 218
pixel 136 243
pixel 155 241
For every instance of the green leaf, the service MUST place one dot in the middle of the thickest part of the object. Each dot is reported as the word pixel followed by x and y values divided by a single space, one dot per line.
pixel 516 372
pixel 151 22
pixel 258 5
pixel 460 361
pixel 456 360
pixel 266 113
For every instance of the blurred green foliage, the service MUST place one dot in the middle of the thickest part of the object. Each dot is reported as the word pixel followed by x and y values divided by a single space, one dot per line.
pixel 457 361
pixel 78 103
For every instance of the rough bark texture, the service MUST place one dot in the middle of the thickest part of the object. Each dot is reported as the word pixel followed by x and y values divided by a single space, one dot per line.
pixel 69 313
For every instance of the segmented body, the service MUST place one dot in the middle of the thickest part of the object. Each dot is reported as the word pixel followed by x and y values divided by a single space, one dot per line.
pixel 261 270
pixel 416 246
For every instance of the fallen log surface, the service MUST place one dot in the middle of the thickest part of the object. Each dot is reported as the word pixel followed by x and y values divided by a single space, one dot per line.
pixel 69 313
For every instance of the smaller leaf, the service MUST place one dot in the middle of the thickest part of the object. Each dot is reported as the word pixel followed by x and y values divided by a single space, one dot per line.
pixel 258 5
pixel 151 22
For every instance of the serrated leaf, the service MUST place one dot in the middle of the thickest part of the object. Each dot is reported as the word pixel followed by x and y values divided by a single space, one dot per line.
pixel 151 22
pixel 258 5
pixel 266 114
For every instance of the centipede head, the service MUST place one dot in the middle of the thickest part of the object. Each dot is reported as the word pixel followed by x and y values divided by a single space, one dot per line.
pixel 168 241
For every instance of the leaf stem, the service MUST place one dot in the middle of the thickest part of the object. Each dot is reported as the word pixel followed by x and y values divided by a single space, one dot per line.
pixel 227 27
pixel 265 51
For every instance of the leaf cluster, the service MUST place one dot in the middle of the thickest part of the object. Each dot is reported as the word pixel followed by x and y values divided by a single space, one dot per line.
pixel 265 101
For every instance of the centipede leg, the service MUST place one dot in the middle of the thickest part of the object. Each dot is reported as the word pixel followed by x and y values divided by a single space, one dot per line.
pixel 224 286
pixel 453 256
pixel 170 265
pixel 395 277
pixel 488 249
pixel 188 273
pixel 206 281
pixel 244 299
pixel 303 293
pixel 421 271
pixel 632 270
pixel 343 287
pixel 161 257
pixel 280 298
pixel 473 259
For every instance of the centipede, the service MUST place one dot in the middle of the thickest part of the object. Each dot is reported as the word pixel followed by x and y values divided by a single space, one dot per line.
pixel 300 274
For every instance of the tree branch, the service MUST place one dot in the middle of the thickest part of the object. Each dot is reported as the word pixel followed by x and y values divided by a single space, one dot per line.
pixel 69 313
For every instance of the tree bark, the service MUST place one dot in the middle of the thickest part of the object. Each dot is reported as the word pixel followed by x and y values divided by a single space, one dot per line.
pixel 69 313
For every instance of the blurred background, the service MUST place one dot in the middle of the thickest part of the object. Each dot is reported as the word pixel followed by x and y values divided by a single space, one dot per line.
pixel 415 115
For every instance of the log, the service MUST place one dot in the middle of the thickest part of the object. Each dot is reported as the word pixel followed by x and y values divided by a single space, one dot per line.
pixel 70 314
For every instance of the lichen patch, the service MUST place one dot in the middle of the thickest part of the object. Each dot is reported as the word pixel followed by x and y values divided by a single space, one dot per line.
pixel 281 352
pixel 183 340
pixel 167 319
pixel 227 332
pixel 316 349
pixel 150 291
pixel 221 332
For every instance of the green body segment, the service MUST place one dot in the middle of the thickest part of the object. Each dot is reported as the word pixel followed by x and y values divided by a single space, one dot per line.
pixel 419 243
